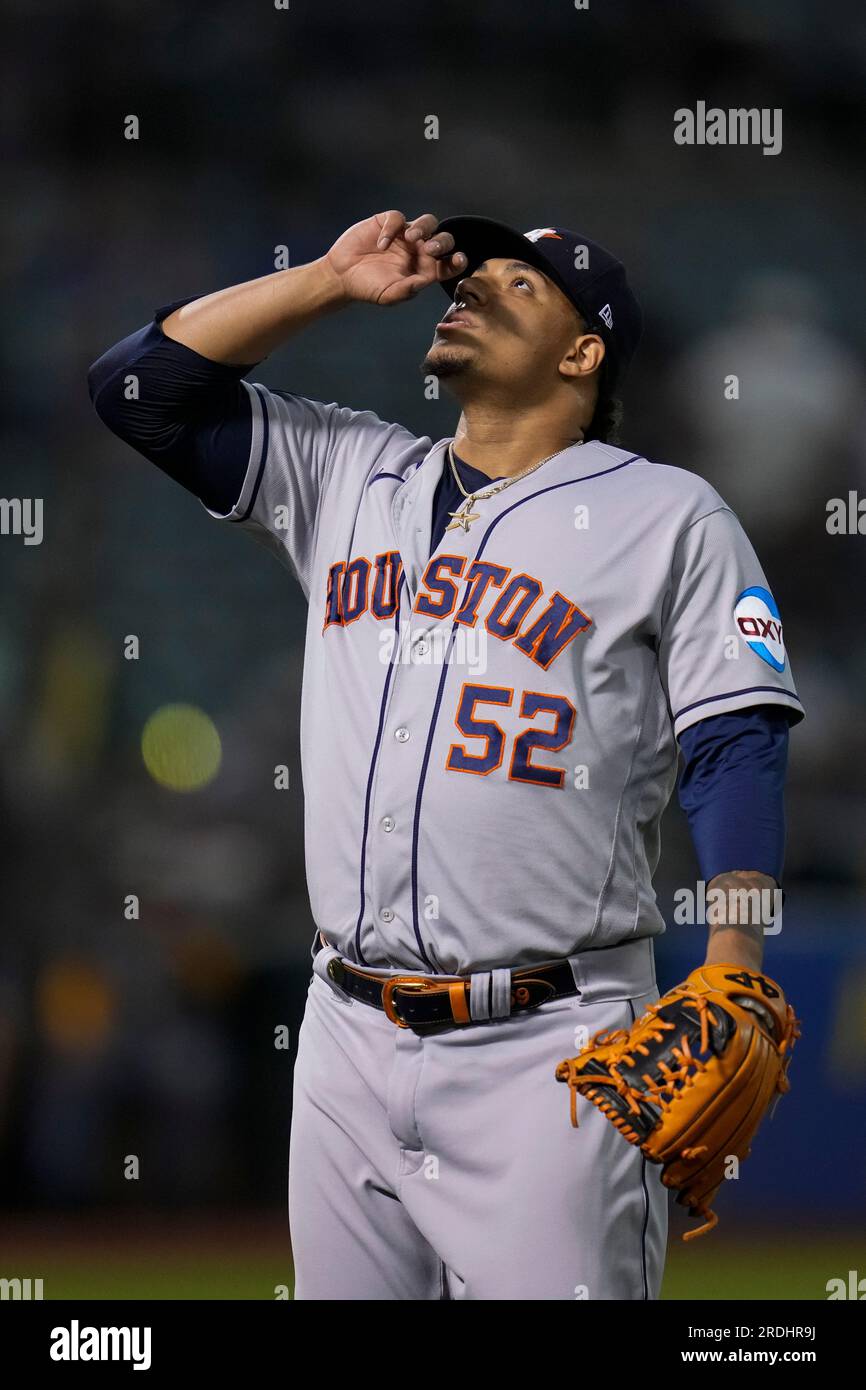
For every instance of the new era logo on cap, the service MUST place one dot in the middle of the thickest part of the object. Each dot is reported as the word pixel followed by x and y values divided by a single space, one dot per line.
pixel 606 315
pixel 543 231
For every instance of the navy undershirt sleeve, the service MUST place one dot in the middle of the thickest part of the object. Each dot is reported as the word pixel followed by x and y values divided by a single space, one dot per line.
pixel 732 790
pixel 188 415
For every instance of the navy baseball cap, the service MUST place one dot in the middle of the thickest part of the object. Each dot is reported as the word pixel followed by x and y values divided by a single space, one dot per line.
pixel 590 277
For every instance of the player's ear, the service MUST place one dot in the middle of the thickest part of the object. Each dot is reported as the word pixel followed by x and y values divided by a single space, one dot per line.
pixel 583 356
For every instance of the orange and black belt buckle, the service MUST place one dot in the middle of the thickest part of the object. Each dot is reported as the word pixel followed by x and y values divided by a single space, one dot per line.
pixel 455 991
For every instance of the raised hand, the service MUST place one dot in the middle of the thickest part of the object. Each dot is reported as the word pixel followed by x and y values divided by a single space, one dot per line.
pixel 386 259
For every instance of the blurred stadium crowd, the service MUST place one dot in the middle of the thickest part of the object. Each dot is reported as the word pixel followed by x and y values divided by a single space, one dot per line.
pixel 261 128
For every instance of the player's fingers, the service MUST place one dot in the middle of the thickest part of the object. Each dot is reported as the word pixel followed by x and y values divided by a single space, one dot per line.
pixel 449 266
pixel 440 244
pixel 420 228
pixel 392 223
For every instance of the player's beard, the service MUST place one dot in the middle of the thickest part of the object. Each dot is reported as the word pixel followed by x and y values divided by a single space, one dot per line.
pixel 445 361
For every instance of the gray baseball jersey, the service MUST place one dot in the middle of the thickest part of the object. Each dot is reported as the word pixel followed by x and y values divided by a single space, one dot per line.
pixel 488 732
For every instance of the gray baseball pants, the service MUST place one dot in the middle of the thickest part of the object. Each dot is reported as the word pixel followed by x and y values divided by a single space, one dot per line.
pixel 446 1166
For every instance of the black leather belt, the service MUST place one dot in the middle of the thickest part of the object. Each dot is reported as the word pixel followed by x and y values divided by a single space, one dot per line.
pixel 422 1001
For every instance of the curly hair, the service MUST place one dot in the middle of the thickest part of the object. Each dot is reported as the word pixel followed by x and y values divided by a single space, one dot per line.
pixel 607 416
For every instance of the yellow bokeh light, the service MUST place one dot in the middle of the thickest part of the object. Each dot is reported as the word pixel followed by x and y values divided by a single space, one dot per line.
pixel 181 747
pixel 75 1005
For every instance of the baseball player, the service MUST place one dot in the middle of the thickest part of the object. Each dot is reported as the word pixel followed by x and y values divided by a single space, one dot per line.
pixel 513 633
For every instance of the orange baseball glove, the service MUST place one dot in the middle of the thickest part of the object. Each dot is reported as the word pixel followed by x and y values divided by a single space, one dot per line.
pixel 691 1080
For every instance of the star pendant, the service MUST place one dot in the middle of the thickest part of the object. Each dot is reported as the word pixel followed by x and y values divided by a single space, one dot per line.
pixel 462 518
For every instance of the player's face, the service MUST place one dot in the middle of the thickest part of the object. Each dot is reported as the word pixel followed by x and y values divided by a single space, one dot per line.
pixel 508 325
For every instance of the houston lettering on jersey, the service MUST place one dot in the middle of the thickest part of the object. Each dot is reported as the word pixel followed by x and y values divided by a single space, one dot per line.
pixel 512 607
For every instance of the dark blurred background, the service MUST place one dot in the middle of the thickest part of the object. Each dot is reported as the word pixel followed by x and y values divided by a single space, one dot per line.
pixel 153 1035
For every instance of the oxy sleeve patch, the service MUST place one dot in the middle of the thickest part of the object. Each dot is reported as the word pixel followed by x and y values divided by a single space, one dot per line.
pixel 759 623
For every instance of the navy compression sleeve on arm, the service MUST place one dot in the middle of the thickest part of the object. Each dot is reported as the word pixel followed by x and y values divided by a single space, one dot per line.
pixel 188 415
pixel 732 790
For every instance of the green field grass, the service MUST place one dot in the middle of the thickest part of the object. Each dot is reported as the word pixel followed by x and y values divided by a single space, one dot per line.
pixel 250 1259
pixel 176 1277
pixel 790 1267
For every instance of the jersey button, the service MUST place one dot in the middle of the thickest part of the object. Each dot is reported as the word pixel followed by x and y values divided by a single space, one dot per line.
pixel 388 824
pixel 386 914
pixel 401 734
pixel 421 647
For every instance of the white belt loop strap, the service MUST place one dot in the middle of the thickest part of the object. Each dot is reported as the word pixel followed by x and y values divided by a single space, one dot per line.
pixel 479 995
pixel 500 993
pixel 321 961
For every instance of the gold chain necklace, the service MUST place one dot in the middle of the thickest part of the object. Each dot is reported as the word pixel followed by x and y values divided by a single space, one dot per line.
pixel 464 516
